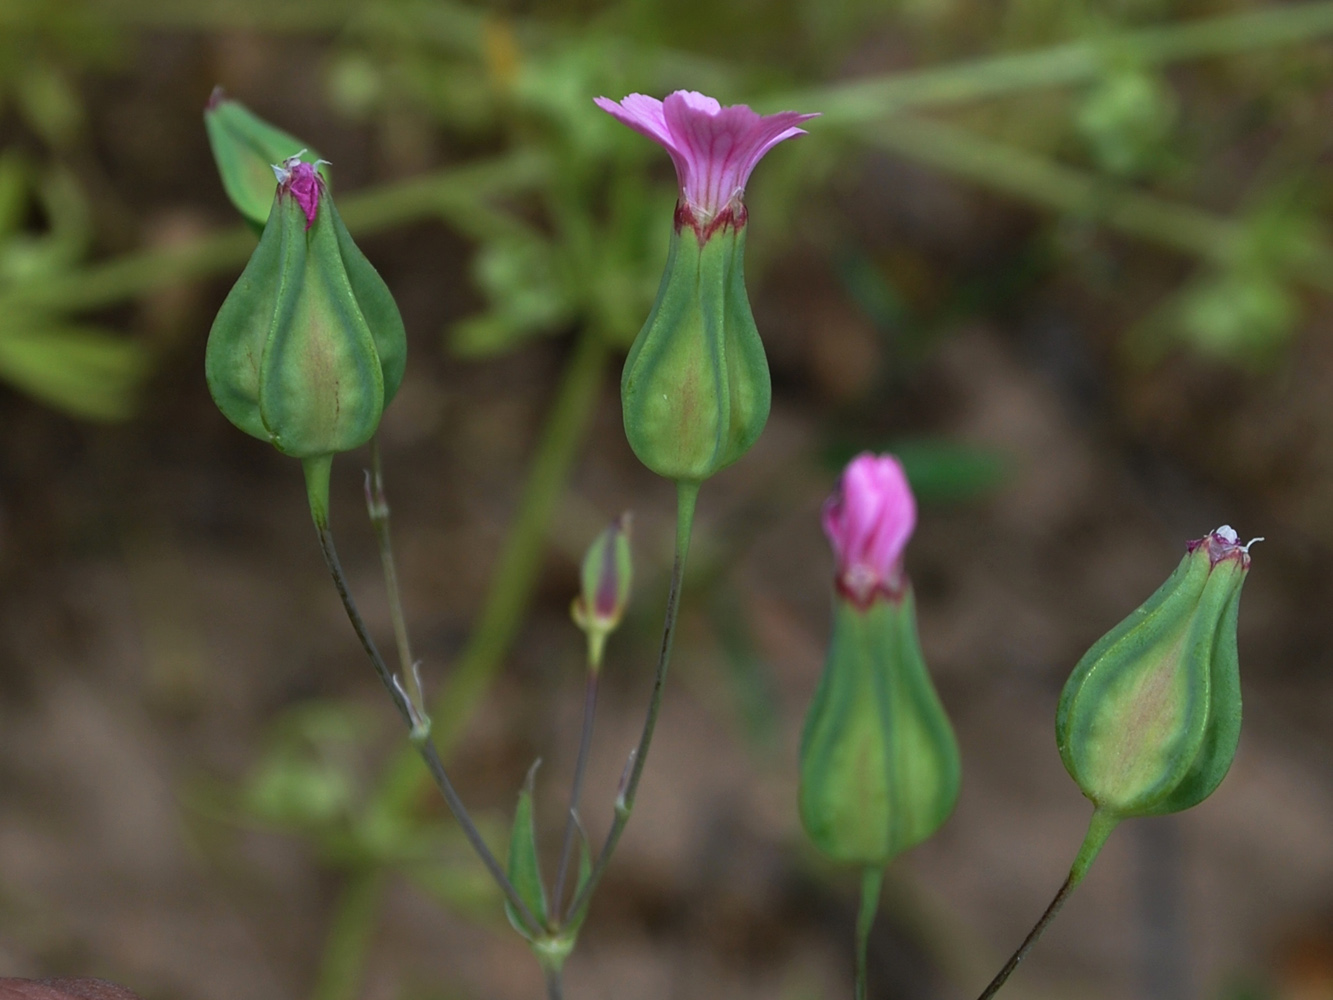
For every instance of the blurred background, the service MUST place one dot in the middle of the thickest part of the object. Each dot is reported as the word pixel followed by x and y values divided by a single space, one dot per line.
pixel 1068 258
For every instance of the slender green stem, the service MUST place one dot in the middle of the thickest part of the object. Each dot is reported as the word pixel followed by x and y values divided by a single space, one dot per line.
pixel 377 505
pixel 971 80
pixel 687 494
pixel 872 880
pixel 457 194
pixel 343 963
pixel 511 587
pixel 1034 178
pixel 555 984
pixel 1098 830
pixel 576 790
pixel 419 728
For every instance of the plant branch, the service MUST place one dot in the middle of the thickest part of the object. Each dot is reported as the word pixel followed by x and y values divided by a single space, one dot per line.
pixel 686 497
pixel 455 194
pixel 971 80
pixel 576 790
pixel 419 729
pixel 1042 181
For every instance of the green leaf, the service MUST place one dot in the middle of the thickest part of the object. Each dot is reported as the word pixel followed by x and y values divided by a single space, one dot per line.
pixel 245 148
pixel 524 867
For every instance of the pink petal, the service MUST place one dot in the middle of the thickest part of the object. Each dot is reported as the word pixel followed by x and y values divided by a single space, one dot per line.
pixel 714 148
pixel 869 520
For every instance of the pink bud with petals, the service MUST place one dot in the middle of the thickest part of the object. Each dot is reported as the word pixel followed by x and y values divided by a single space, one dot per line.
pixel 868 520
pixel 302 181
pixel 713 147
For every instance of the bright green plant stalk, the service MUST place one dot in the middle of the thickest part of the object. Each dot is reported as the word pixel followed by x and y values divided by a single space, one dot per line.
pixel 687 495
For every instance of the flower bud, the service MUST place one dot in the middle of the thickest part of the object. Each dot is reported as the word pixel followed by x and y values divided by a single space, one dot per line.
pixel 695 388
pixel 880 769
pixel 605 577
pixel 1148 721
pixel 308 347
pixel 244 146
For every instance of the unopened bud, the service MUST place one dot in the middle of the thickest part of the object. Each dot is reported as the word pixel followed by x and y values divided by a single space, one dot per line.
pixel 1149 720
pixel 606 577
pixel 879 764
pixel 308 347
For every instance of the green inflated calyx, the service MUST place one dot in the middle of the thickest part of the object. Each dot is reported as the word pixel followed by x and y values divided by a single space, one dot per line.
pixel 880 767
pixel 1149 720
pixel 695 388
pixel 308 347
pixel 244 149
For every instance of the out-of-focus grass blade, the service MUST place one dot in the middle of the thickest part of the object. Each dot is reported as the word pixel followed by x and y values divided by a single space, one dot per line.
pixel 81 370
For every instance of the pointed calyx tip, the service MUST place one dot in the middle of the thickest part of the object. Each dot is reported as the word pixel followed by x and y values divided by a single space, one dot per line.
pixel 1224 543
pixel 217 97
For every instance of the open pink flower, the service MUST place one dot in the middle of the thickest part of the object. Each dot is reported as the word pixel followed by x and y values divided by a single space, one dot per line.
pixel 714 148
pixel 868 520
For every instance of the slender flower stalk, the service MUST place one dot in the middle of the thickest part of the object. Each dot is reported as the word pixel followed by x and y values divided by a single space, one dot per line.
pixel 377 507
pixel 575 792
pixel 418 726
pixel 686 497
pixel 872 881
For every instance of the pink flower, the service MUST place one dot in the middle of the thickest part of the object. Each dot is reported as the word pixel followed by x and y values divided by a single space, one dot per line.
pixel 302 181
pixel 714 148
pixel 868 520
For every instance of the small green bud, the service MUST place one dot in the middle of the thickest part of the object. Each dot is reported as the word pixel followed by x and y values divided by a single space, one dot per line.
pixel 695 388
pixel 879 764
pixel 1149 720
pixel 244 147
pixel 606 577
pixel 308 347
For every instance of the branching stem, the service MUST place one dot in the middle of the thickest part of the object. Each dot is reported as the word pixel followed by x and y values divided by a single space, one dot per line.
pixel 317 471
pixel 687 494
pixel 576 790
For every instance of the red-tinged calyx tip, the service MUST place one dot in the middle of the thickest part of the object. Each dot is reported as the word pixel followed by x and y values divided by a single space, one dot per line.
pixel 217 97
pixel 734 216
pixel 302 181
pixel 1222 544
